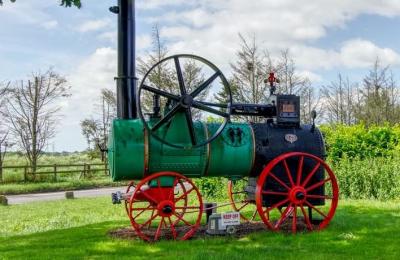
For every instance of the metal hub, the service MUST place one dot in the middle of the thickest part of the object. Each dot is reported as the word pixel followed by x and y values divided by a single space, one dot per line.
pixel 186 101
pixel 165 208
pixel 297 195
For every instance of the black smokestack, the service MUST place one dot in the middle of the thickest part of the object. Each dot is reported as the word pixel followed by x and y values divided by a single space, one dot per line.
pixel 126 80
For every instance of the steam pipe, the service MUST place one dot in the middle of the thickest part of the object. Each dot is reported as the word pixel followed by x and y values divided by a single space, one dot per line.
pixel 126 79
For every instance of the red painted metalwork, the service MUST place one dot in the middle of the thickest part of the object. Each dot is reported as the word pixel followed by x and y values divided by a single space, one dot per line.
pixel 241 204
pixel 128 189
pixel 296 195
pixel 173 212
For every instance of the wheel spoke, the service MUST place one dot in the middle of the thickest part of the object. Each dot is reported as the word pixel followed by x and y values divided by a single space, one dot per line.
pixel 213 104
pixel 152 214
pixel 188 115
pixel 200 106
pixel 149 220
pixel 161 93
pixel 205 84
pixel 300 170
pixel 143 210
pixel 318 184
pixel 188 207
pixel 276 205
pixel 294 223
pixel 308 178
pixel 306 218
pixel 174 234
pixel 326 197
pixel 284 215
pixel 183 220
pixel 166 118
pixel 244 205
pixel 254 215
pixel 275 193
pixel 279 181
pixel 180 76
pixel 171 193
pixel 316 209
pixel 288 172
pixel 184 194
pixel 157 235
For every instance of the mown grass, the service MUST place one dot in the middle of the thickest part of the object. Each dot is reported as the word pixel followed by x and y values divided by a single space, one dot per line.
pixel 35 187
pixel 78 229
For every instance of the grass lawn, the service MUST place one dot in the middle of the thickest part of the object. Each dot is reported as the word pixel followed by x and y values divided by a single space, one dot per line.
pixel 35 187
pixel 78 229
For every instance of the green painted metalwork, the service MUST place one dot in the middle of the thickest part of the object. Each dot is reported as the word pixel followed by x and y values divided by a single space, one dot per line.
pixel 134 154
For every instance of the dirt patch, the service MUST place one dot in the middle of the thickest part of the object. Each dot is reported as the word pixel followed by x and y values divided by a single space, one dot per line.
pixel 243 229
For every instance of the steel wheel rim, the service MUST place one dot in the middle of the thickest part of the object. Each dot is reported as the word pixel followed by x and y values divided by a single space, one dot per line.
pixel 228 105
pixel 244 204
pixel 296 206
pixel 172 222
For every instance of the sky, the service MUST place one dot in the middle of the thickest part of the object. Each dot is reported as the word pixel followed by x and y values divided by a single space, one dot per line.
pixel 325 37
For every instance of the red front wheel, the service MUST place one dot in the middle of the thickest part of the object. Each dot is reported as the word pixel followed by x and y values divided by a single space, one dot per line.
pixel 165 205
pixel 297 191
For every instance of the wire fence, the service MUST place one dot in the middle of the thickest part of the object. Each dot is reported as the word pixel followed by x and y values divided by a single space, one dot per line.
pixel 52 171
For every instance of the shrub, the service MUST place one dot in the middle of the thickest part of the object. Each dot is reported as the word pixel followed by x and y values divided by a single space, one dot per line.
pixel 358 141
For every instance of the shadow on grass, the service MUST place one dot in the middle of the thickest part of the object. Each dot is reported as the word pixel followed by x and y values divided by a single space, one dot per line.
pixel 357 231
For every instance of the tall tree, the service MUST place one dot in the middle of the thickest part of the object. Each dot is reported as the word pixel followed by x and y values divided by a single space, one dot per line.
pixel 95 130
pixel 4 144
pixel 340 97
pixel 164 76
pixel 66 3
pixel 379 95
pixel 251 68
pixel 32 112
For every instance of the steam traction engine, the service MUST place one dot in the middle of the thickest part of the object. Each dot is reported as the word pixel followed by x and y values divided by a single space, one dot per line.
pixel 276 168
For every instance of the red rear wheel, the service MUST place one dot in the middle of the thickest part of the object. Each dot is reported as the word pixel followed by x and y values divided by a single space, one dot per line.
pixel 165 211
pixel 131 187
pixel 301 197
pixel 239 199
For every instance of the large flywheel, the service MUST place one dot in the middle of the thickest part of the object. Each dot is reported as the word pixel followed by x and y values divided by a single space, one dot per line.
pixel 183 88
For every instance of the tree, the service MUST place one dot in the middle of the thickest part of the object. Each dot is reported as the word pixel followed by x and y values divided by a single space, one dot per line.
pixel 4 144
pixel 164 76
pixel 251 68
pixel 32 112
pixel 379 97
pixel 66 3
pixel 339 101
pixel 96 130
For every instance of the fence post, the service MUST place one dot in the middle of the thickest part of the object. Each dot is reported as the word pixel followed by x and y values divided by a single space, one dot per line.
pixel 1 173
pixel 55 172
pixel 106 169
pixel 88 169
pixel 84 170
pixel 25 172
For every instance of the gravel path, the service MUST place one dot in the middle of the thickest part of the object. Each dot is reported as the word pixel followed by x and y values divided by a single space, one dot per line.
pixel 27 198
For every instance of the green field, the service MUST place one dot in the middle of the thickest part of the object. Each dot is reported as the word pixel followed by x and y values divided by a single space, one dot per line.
pixel 78 229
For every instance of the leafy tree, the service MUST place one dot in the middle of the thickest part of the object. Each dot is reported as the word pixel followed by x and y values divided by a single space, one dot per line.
pixel 32 112
pixel 164 76
pixel 379 102
pixel 4 133
pixel 66 3
pixel 96 130
pixel 340 98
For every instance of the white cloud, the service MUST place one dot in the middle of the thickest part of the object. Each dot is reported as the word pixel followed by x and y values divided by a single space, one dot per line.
pixel 50 24
pixel 358 53
pixel 354 53
pixel 94 25
pixel 210 28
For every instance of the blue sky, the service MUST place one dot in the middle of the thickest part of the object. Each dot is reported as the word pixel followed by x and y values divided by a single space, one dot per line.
pixel 325 37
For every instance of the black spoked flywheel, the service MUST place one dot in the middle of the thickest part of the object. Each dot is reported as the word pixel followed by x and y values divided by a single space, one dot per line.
pixel 183 87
